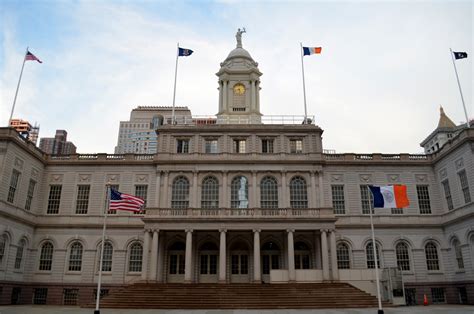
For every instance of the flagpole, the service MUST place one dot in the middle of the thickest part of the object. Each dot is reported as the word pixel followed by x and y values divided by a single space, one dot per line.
pixel 17 87
pixel 99 282
pixel 304 88
pixel 459 85
pixel 380 311
pixel 174 91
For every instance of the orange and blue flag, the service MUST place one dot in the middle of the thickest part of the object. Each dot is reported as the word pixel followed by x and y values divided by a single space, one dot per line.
pixel 307 51
pixel 390 196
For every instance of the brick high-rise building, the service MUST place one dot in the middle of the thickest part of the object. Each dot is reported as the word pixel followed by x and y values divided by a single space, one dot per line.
pixel 57 145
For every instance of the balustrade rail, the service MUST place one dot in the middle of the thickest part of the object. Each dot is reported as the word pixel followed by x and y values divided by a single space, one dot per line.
pixel 234 212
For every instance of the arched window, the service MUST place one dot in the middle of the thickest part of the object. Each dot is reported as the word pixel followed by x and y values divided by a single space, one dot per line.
pixel 3 245
pixel 239 192
pixel 75 257
pixel 180 193
pixel 343 257
pixel 431 253
pixel 107 258
pixel 46 256
pixel 403 257
pixel 369 251
pixel 135 257
pixel 19 254
pixel 302 256
pixel 298 193
pixel 268 193
pixel 210 193
pixel 458 253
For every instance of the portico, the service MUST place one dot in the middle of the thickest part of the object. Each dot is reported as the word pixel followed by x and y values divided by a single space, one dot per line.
pixel 231 252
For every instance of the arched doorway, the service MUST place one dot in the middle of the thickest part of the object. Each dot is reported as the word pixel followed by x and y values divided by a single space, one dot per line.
pixel 239 262
pixel 270 259
pixel 208 262
pixel 176 261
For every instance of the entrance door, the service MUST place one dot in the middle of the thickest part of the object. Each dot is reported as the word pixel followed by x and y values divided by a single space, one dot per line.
pixel 239 262
pixel 208 262
pixel 176 262
pixel 270 260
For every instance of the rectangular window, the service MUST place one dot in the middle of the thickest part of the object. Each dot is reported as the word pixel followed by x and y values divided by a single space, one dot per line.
pixel 397 211
pixel 367 200
pixel 116 188
pixel 103 293
pixel 29 194
pixel 82 203
pixel 464 186
pixel 267 146
pixel 54 199
pixel 40 295
pixel 447 194
pixel 70 296
pixel 338 201
pixel 13 185
pixel 211 146
pixel 423 199
pixel 296 146
pixel 141 191
pixel 239 146
pixel 182 146
pixel 437 295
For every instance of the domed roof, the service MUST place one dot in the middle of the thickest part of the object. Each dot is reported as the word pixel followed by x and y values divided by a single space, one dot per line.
pixel 239 53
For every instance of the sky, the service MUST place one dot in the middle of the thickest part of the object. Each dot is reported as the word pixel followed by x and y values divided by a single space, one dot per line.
pixel 384 70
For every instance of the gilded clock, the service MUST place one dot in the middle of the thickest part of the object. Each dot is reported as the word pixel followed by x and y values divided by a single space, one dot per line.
pixel 239 89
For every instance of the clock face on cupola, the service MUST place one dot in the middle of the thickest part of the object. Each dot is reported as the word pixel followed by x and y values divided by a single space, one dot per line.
pixel 239 86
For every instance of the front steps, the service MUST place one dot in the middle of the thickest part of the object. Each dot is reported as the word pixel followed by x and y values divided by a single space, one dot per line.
pixel 239 296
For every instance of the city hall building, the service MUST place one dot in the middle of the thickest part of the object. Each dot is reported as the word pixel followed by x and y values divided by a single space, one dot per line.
pixel 237 198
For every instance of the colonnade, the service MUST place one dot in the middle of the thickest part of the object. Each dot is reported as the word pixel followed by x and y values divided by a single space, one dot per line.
pixel 150 255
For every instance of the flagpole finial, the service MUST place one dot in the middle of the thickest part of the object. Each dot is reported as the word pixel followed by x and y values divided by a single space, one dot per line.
pixel 238 36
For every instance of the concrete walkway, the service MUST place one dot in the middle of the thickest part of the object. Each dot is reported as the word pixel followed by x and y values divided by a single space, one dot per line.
pixel 44 309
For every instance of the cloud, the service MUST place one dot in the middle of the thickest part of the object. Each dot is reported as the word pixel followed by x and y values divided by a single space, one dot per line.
pixel 376 87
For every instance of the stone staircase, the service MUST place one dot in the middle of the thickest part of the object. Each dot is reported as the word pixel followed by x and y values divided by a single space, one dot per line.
pixel 239 296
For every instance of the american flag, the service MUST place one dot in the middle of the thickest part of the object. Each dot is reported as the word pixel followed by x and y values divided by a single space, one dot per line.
pixel 31 57
pixel 122 201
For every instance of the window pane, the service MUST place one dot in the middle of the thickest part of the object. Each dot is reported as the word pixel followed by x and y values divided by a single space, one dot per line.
pixel 46 256
pixel 431 253
pixel 29 194
pixel 367 199
pixel 298 193
pixel 210 193
pixel 180 193
pixel 343 259
pixel 338 200
pixel 268 193
pixel 13 185
pixel 403 258
pixel 75 257
pixel 447 194
pixel 239 193
pixel 54 199
pixel 465 186
pixel 136 255
pixel 82 202
pixel 423 199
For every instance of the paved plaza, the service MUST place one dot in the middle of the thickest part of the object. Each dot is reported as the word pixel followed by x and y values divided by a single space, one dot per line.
pixel 434 309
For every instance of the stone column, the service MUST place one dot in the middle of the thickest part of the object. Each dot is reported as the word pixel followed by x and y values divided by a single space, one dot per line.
pixel 154 255
pixel 253 102
pixel 284 191
pixel 222 257
pixel 225 202
pixel 321 189
pixel 220 96
pixel 224 96
pixel 254 203
pixel 332 242
pixel 158 186
pixel 161 259
pixel 164 196
pixel 317 249
pixel 188 267
pixel 291 256
pixel 313 198
pixel 257 277
pixel 324 254
pixel 146 254
pixel 195 190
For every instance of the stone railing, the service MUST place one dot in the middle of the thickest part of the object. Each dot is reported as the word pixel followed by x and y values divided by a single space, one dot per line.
pixel 238 213
pixel 376 157
pixel 205 120
pixel 100 157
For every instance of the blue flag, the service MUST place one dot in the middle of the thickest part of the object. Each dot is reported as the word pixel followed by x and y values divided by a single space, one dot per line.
pixel 460 55
pixel 183 52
